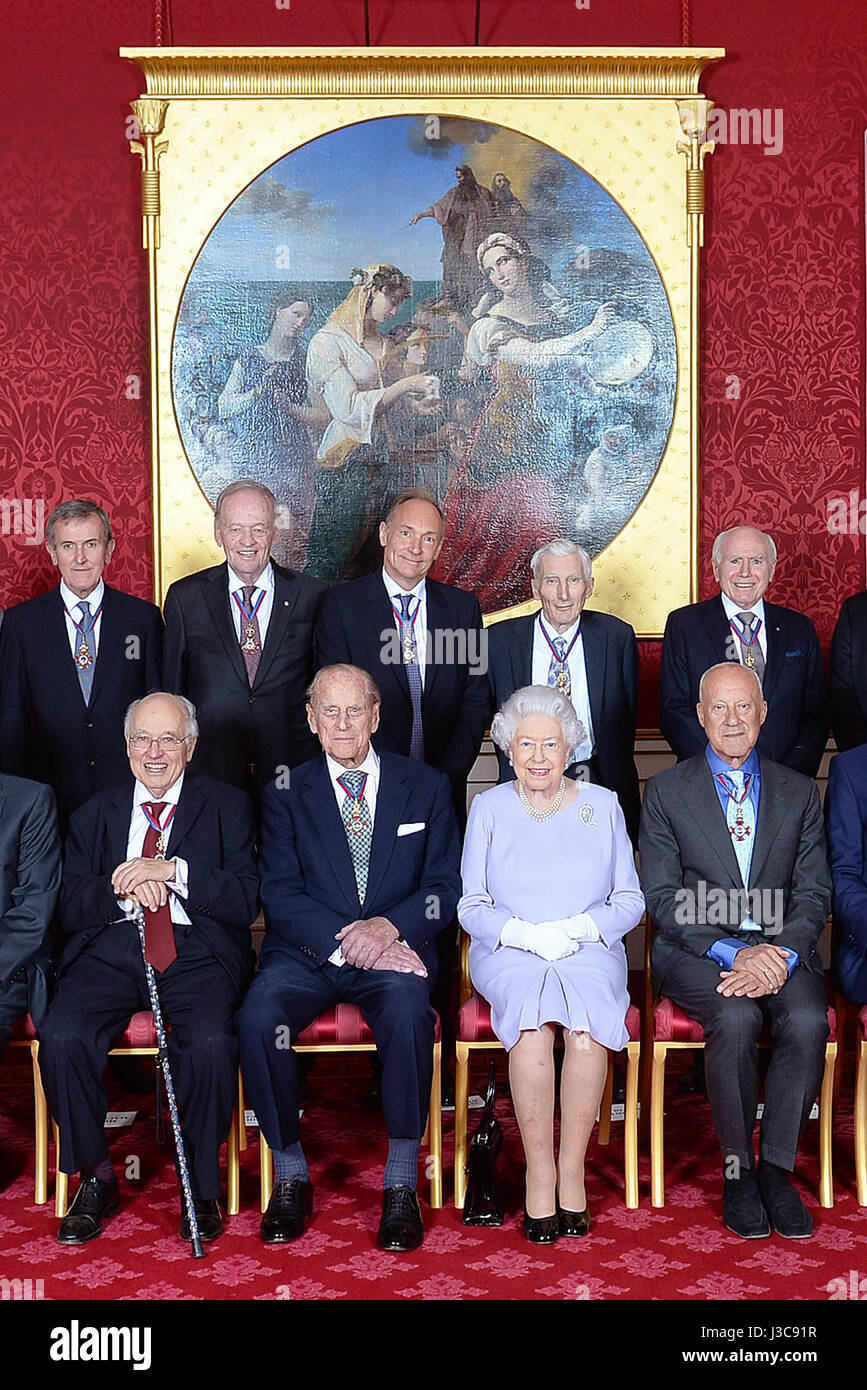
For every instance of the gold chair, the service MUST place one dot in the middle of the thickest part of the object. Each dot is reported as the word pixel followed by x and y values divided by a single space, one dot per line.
pixel 475 1034
pixel 861 1108
pixel 24 1035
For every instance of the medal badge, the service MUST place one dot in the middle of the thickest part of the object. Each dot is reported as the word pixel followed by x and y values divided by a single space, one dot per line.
pixel 83 658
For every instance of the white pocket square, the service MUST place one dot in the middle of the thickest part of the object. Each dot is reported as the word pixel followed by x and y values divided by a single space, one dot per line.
pixel 411 828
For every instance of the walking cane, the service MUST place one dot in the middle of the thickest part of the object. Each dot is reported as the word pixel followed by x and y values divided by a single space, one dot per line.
pixel 163 1059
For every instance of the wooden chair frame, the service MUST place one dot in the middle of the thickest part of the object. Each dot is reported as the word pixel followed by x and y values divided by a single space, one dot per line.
pixel 40 1122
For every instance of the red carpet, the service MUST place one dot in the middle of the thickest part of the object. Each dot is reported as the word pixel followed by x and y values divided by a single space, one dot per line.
pixel 681 1252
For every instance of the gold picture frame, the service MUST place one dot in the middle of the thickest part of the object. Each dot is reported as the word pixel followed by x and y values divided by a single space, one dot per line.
pixel 212 122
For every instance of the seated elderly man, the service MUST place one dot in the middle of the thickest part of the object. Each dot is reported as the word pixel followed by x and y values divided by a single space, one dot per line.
pixel 735 876
pixel 360 861
pixel 183 844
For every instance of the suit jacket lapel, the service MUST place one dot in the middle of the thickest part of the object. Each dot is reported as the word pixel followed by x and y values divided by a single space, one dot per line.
pixel 711 822
pixel 594 642
pixel 328 822
pixel 217 599
pixel 190 804
pixel 772 812
pixel 776 639
pixel 111 642
pixel 283 605
pixel 437 620
pixel 378 618
pixel 717 626
pixel 118 826
pixel 391 798
pixel 521 640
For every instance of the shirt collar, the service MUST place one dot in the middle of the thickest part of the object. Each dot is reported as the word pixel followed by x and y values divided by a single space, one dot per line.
pixel 71 600
pixel 265 580
pixel 732 609
pixel 552 632
pixel 370 766
pixel 717 765
pixel 394 590
pixel 170 797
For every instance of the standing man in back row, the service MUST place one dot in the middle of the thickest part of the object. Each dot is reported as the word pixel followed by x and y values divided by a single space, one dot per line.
pixel 779 644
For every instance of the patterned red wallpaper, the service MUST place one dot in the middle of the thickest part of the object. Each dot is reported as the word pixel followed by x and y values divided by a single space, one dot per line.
pixel 783 296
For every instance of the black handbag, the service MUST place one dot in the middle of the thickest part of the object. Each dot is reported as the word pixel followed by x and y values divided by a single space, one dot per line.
pixel 484 1204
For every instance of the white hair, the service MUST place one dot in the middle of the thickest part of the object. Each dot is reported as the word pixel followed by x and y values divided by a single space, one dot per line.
pixel 561 547
pixel 727 666
pixel 191 726
pixel 770 547
pixel 537 699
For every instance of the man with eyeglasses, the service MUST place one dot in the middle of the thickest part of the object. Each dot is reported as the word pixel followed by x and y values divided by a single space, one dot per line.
pixel 239 644
pixel 183 844
pixel 71 661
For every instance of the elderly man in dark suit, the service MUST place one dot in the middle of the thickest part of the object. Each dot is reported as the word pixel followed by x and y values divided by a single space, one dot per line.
pixel 735 876
pixel 591 657
pixel 183 845
pixel 71 661
pixel 29 883
pixel 360 858
pixel 239 644
pixel 779 644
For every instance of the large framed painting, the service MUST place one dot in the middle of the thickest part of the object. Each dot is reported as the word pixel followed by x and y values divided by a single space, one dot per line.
pixel 475 273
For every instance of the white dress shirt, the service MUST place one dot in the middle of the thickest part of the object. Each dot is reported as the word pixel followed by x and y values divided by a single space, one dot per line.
pixel 371 787
pixel 419 627
pixel 580 697
pixel 758 608
pixel 138 828
pixel 264 582
pixel 74 615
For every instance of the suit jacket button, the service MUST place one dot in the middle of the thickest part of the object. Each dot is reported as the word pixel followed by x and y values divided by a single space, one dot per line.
pixel 91 763
pixel 88 726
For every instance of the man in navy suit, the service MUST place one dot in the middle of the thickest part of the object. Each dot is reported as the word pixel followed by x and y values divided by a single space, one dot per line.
pixel 847 663
pixel 779 644
pixel 29 883
pixel 846 820
pixel 71 661
pixel 591 657
pixel 184 846
pixel 360 858
pixel 239 644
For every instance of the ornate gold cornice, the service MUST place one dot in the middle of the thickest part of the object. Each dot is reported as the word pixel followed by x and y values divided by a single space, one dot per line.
pixel 408 72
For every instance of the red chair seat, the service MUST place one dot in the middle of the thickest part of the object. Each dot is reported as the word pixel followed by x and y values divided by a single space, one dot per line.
pixel 474 1021
pixel 139 1032
pixel 862 1021
pixel 671 1024
pixel 24 1030
pixel 343 1025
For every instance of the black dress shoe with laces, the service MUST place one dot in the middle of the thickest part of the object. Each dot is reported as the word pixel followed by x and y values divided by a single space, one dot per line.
pixel 83 1222
pixel 209 1219
pixel 743 1212
pixel 400 1227
pixel 290 1204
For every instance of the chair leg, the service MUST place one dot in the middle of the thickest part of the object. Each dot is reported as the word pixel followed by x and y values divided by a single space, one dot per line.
pixel 603 1134
pixel 462 1068
pixel 266 1172
pixel 233 1165
pixel 657 1105
pixel 630 1125
pixel 61 1180
pixel 40 1130
pixel 861 1122
pixel 826 1121
pixel 435 1131
pixel 242 1125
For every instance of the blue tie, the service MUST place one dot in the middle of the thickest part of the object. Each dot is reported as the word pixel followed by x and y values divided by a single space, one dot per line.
pixel 740 819
pixel 85 655
pixel 558 671
pixel 413 675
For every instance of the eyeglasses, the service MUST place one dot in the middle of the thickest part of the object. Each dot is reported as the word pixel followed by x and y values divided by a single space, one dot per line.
pixel 168 743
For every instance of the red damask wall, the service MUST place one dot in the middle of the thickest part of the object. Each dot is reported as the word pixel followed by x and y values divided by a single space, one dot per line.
pixel 783 293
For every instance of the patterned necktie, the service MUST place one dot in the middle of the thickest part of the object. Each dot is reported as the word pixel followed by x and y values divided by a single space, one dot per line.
pixel 160 949
pixel 558 671
pixel 85 650
pixel 355 813
pixel 251 642
pixel 753 656
pixel 741 822
pixel 413 675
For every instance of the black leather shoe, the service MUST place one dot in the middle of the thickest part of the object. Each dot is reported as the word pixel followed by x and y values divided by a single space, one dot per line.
pixel 743 1212
pixel 290 1204
pixel 93 1200
pixel 209 1219
pixel 541 1230
pixel 400 1227
pixel 788 1215
pixel 574 1223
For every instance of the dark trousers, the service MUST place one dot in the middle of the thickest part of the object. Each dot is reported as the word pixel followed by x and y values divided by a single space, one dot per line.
pixel 798 1021
pixel 95 998
pixel 287 995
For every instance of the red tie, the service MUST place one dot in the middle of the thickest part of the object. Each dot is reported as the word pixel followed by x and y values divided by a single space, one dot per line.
pixel 160 949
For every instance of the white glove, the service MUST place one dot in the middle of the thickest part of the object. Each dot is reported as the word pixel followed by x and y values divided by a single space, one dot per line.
pixel 544 939
pixel 578 928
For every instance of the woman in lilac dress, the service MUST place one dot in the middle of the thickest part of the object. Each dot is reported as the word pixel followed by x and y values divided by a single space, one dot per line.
pixel 550 890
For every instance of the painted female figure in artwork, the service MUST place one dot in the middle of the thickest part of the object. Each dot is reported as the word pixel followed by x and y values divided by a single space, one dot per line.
pixel 345 372
pixel 511 492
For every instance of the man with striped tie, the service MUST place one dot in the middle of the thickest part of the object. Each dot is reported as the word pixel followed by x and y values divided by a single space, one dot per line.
pixel 734 872
pixel 359 863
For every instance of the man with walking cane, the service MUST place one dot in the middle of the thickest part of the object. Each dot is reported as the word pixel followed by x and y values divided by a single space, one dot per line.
pixel 182 846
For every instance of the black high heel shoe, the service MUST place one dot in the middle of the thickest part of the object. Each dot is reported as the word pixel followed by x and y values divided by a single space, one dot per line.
pixel 541 1230
pixel 573 1223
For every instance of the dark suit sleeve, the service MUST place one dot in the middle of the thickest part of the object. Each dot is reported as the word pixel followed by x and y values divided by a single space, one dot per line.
pixel 809 745
pixel 153 653
pixel 14 701
pixel 809 901
pixel 431 907
pixel 845 819
pixel 472 717
pixel 662 878
pixel 330 640
pixel 87 899
pixel 677 697
pixel 25 924
pixel 228 894
pixel 174 656
pixel 850 719
pixel 292 915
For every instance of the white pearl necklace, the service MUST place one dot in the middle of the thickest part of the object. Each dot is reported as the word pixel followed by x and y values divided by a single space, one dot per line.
pixel 550 810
